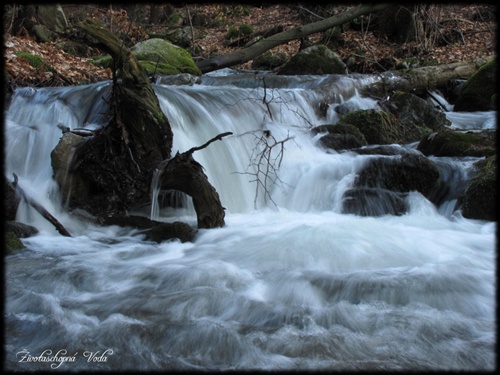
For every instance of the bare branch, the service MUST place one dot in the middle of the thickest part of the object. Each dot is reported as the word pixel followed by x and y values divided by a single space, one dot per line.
pixel 39 208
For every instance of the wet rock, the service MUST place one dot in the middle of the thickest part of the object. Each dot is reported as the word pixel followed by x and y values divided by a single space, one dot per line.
pixel 378 127
pixel 400 174
pixel 457 143
pixel 167 231
pixel 11 201
pixel 479 200
pixel 12 243
pixel 72 186
pixel 416 116
pixel 374 202
pixel 154 230
pixel 21 230
pixel 340 136
pixel 479 92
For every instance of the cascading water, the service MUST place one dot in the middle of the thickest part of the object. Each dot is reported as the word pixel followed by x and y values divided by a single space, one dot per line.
pixel 290 282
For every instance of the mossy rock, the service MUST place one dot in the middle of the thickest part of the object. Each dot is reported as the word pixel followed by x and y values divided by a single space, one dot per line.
pixel 158 56
pixel 340 136
pixel 479 91
pixel 12 243
pixel 378 127
pixel 173 59
pixel 456 143
pixel 268 60
pixel 314 60
pixel 415 116
pixel 400 174
pixel 479 200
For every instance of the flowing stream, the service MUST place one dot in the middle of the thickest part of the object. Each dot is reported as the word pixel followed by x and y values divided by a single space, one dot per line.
pixel 290 282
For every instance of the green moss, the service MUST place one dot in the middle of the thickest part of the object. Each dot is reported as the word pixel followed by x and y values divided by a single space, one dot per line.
pixel 12 242
pixel 478 91
pixel 239 31
pixel 378 127
pixel 34 60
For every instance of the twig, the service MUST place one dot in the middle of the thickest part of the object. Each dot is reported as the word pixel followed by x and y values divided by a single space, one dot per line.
pixel 217 138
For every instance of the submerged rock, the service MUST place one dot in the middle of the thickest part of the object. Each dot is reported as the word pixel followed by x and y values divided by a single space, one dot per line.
pixel 155 230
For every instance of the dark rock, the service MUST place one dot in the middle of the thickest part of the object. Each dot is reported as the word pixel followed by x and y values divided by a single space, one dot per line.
pixel 21 230
pixel 415 116
pixel 378 127
pixel 374 202
pixel 155 230
pixel 11 201
pixel 314 60
pixel 479 92
pixel 457 143
pixel 479 200
pixel 167 231
pixel 340 136
pixel 400 174
pixel 12 243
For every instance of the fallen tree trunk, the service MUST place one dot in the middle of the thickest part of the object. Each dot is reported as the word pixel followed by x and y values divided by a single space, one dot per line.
pixel 246 54
pixel 421 79
pixel 185 174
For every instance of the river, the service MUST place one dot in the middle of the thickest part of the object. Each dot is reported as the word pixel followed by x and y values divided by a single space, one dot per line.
pixel 290 282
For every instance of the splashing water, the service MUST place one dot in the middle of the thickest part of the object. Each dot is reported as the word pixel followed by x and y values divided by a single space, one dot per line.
pixel 289 283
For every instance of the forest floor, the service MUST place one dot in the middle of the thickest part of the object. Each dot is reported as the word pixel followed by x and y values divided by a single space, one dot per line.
pixel 472 24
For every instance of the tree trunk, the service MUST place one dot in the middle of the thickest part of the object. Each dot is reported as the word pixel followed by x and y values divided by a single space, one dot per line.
pixel 246 54
pixel 421 79
pixel 120 159
pixel 185 174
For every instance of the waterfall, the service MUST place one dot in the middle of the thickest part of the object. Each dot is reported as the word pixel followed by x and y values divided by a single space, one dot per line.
pixel 290 282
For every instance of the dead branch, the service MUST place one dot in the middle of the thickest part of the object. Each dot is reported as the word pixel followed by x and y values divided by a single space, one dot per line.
pixel 216 138
pixel 39 208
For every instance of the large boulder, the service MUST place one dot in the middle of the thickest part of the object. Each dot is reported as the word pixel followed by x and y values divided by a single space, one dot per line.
pixel 400 174
pixel 164 58
pixel 378 127
pixel 479 93
pixel 314 60
pixel 158 56
pixel 479 200
pixel 374 202
pixel 456 143
pixel 416 116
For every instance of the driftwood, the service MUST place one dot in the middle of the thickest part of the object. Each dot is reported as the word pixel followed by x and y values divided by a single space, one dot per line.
pixel 39 208
pixel 185 174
